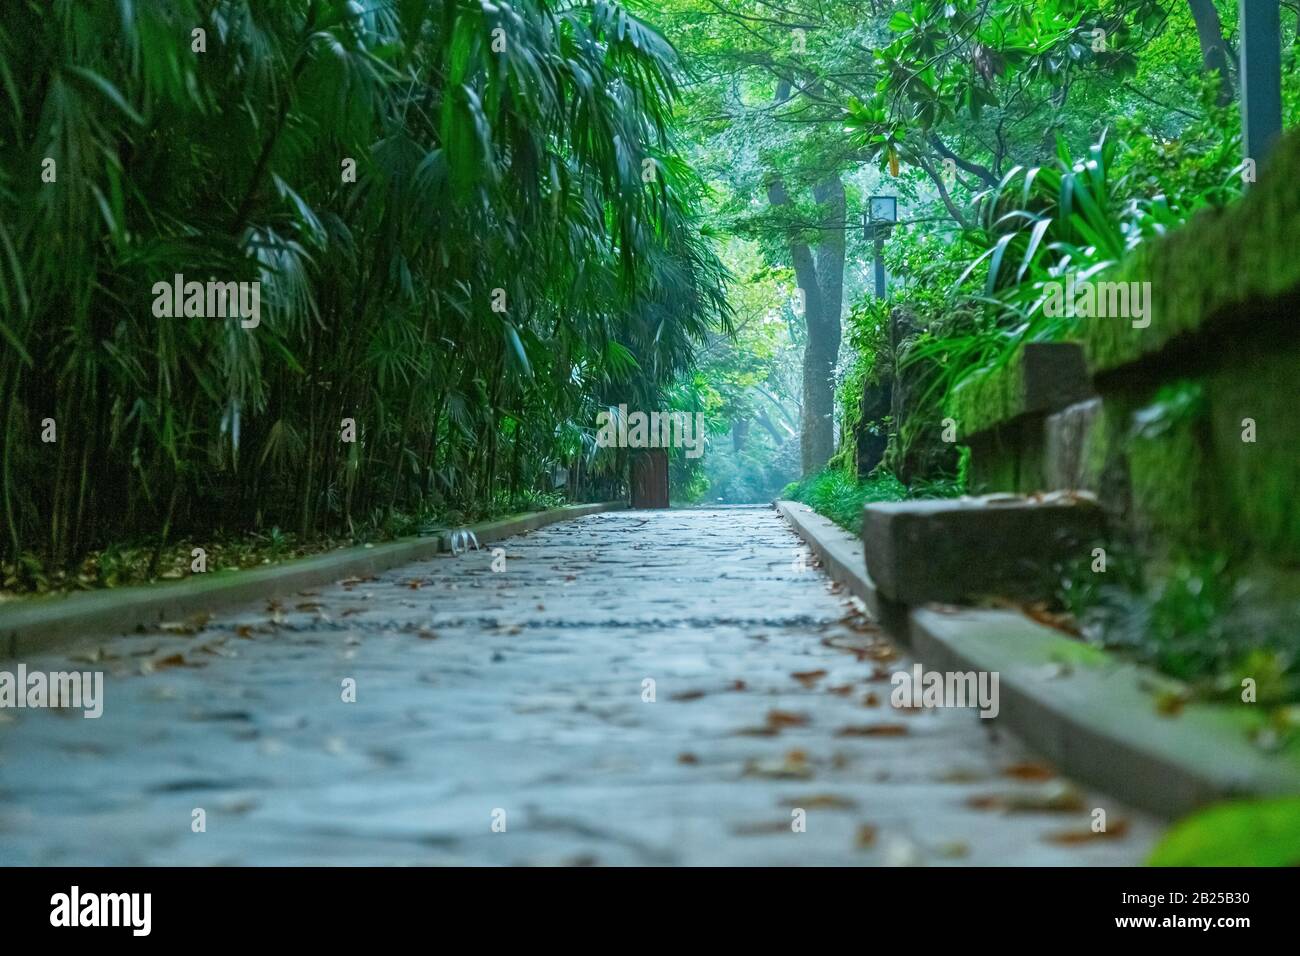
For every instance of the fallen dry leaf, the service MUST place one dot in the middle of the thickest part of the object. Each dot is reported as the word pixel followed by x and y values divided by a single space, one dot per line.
pixel 1116 829
pixel 688 695
pixel 191 625
pixel 688 758
pixel 1057 797
pixel 872 730
pixel 871 700
pixel 866 836
pixel 793 766
pixel 820 801
pixel 1028 770
pixel 349 583
pixel 808 678
pixel 784 718
pixel 164 663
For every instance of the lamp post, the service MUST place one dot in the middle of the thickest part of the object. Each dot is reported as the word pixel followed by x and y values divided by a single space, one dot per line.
pixel 1261 77
pixel 881 215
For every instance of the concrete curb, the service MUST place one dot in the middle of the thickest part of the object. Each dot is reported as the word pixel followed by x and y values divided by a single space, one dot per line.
pixel 1088 712
pixel 841 556
pixel 29 627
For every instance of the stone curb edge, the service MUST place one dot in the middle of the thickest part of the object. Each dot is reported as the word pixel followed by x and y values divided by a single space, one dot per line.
pixel 1088 712
pixel 35 626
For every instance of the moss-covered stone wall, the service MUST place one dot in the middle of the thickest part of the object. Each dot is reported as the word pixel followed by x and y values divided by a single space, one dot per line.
pixel 1197 442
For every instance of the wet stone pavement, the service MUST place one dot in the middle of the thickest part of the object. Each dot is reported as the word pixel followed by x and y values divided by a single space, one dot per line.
pixel 519 698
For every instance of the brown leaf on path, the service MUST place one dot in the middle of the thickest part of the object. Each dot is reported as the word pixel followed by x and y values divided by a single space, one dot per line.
pixel 872 730
pixel 1056 797
pixel 1114 830
pixel 808 678
pixel 785 718
pixel 355 580
pixel 842 690
pixel 860 624
pixel 245 631
pixel 871 700
pixel 739 685
pixel 793 766
pixel 165 663
pixel 688 695
pixel 1028 770
pixel 309 606
pixel 688 758
pixel 820 801
pixel 866 836
pixel 427 634
pixel 191 625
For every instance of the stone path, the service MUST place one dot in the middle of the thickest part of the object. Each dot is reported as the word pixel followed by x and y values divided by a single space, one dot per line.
pixel 523 691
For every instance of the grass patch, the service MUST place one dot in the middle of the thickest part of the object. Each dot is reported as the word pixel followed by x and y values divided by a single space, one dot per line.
pixel 837 495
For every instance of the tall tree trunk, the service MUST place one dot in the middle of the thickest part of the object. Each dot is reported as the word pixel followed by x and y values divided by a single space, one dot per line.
pixel 1214 51
pixel 820 273
pixel 819 270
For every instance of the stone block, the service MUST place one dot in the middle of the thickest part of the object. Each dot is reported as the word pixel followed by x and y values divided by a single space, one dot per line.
pixel 960 549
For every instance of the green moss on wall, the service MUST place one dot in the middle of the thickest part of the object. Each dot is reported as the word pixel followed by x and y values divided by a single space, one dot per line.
pixel 982 402
pixel 994 464
pixel 1031 471
pixel 1258 483
pixel 1217 260
pixel 1168 475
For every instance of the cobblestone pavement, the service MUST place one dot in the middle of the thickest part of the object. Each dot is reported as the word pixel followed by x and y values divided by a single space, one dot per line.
pixel 524 691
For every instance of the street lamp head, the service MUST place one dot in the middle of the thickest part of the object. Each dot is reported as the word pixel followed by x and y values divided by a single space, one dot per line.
pixel 883 209
pixel 881 215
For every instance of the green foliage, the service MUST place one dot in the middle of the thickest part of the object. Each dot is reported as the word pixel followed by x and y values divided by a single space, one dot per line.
pixel 520 170
pixel 836 495
pixel 1198 618
pixel 1237 833
pixel 1040 226
pixel 748 385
